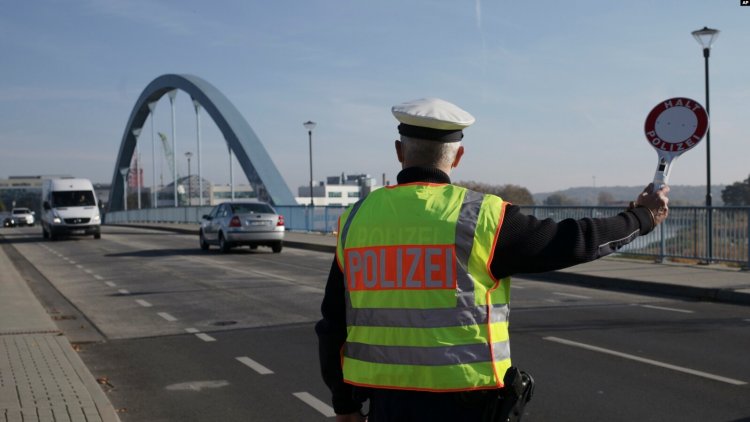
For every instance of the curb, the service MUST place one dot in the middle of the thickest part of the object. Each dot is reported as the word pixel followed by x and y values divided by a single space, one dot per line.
pixel 643 287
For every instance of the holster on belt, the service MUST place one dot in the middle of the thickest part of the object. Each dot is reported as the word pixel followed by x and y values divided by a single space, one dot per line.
pixel 512 398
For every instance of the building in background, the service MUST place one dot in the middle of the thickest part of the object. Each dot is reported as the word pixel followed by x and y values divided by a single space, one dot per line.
pixel 341 190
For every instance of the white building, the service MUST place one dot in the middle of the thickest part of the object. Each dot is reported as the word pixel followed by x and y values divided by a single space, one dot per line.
pixel 341 190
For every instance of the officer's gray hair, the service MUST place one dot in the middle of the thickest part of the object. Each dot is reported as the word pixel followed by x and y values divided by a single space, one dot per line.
pixel 425 153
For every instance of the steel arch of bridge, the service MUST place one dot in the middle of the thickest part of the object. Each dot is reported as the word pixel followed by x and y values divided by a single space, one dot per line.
pixel 242 140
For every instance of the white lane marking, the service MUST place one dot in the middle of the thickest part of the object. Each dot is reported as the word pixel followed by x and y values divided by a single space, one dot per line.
pixel 143 303
pixel 110 284
pixel 123 292
pixel 71 261
pixel 316 404
pixel 571 295
pixel 98 277
pixel 167 316
pixel 255 366
pixel 647 361
pixel 205 337
pixel 86 270
pixel 197 332
pixel 79 266
pixel 663 308
pixel 272 275
pixel 515 286
pixel 197 385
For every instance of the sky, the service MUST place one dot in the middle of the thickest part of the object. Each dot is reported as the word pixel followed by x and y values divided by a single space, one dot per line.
pixel 560 89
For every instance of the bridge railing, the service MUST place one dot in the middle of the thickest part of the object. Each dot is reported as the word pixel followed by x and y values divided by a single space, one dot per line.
pixel 682 236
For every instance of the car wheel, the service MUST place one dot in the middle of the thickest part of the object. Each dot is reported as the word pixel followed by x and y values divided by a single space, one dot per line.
pixel 223 244
pixel 45 233
pixel 276 248
pixel 97 235
pixel 204 244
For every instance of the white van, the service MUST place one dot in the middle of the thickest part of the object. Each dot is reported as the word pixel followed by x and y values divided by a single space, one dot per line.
pixel 69 207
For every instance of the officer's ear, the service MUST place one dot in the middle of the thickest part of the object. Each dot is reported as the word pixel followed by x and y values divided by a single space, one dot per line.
pixel 399 152
pixel 459 154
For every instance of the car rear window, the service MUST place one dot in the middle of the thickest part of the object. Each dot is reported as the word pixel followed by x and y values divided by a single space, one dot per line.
pixel 21 211
pixel 252 208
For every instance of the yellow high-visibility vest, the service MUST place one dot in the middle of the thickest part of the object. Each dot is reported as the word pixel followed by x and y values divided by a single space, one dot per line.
pixel 424 311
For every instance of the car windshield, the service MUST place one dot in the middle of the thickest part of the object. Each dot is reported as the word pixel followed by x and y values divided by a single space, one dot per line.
pixel 21 211
pixel 73 198
pixel 252 208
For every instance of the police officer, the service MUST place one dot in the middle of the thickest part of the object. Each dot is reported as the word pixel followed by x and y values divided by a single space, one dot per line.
pixel 416 304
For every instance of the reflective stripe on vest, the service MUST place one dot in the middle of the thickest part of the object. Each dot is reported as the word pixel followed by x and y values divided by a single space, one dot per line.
pixel 423 310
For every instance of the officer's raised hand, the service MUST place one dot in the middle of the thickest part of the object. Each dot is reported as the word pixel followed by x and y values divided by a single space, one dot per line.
pixel 656 202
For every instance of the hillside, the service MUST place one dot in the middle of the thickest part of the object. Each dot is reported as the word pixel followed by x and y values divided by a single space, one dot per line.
pixel 678 195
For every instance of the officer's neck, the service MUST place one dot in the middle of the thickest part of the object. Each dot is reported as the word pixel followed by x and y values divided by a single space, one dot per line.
pixel 422 174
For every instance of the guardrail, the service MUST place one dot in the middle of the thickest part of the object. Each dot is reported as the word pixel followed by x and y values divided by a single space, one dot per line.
pixel 682 236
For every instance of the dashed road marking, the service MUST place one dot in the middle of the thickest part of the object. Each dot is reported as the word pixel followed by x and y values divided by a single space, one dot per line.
pixel 571 295
pixel 87 271
pixel 143 303
pixel 205 337
pixel 98 277
pixel 316 404
pixel 515 286
pixel 123 292
pixel 647 361
pixel 79 266
pixel 167 316
pixel 202 336
pixel 110 284
pixel 664 308
pixel 255 366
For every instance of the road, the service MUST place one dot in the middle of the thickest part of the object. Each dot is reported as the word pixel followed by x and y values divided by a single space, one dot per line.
pixel 177 334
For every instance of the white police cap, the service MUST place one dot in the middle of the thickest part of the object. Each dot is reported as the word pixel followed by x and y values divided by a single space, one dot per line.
pixel 433 119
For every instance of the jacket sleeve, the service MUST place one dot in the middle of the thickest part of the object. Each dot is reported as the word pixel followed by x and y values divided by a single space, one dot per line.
pixel 529 245
pixel 331 331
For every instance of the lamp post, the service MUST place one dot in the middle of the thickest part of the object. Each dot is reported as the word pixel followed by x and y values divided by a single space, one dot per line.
pixel 136 134
pixel 151 108
pixel 124 172
pixel 190 182
pixel 172 94
pixel 197 106
pixel 706 38
pixel 310 125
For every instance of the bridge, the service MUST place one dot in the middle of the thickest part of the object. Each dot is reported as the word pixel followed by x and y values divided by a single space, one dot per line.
pixel 240 137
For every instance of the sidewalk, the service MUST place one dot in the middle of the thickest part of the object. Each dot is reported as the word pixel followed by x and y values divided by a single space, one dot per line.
pixel 41 377
pixel 702 282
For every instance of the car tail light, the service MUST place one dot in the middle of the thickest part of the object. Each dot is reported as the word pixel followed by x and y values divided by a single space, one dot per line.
pixel 281 221
pixel 235 222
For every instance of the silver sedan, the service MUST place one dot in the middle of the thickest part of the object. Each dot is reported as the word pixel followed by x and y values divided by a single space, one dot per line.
pixel 239 223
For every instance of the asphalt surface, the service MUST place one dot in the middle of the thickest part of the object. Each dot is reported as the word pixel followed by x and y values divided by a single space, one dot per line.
pixel 178 334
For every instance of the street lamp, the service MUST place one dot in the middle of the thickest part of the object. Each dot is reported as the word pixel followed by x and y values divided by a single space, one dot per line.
pixel 136 134
pixel 706 38
pixel 124 172
pixel 152 107
pixel 172 94
pixel 197 106
pixel 310 125
pixel 190 182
